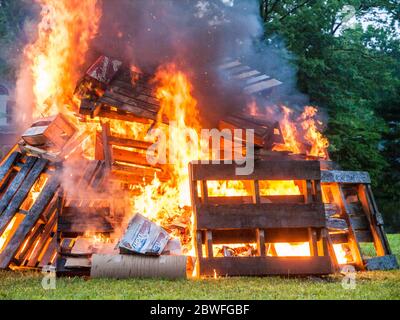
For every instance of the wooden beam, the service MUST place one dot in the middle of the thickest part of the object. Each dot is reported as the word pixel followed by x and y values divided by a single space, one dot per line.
pixel 253 266
pixel 264 215
pixel 16 183
pixel 7 165
pixel 131 143
pixel 105 133
pixel 263 170
pixel 260 235
pixel 312 236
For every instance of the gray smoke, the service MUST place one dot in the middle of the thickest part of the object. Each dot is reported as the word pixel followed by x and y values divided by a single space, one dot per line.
pixel 198 36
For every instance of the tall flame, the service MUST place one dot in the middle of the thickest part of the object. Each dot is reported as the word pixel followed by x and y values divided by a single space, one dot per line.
pixel 64 32
pixel 168 202
pixel 301 132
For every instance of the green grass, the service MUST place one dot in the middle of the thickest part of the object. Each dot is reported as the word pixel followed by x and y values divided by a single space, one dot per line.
pixel 369 285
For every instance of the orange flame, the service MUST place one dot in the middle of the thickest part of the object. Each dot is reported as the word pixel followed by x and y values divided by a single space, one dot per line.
pixel 63 36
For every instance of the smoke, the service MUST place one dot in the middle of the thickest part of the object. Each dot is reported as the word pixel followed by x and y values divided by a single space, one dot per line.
pixel 198 36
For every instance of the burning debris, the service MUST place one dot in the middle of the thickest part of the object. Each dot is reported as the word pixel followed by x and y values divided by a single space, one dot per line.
pixel 72 184
pixel 104 177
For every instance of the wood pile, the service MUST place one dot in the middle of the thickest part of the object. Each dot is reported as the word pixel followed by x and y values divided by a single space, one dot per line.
pixel 44 223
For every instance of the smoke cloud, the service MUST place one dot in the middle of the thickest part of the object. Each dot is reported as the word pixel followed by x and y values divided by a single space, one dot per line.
pixel 198 36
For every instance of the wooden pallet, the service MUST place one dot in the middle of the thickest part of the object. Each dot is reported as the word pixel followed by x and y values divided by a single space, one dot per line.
pixel 352 195
pixel 252 81
pixel 266 134
pixel 125 159
pixel 87 210
pixel 27 223
pixel 123 98
pixel 265 220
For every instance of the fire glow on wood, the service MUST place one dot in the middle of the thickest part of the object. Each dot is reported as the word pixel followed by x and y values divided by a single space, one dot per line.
pixel 118 137
pixel 163 202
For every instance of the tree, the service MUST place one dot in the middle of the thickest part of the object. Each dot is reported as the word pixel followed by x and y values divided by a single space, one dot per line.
pixel 353 74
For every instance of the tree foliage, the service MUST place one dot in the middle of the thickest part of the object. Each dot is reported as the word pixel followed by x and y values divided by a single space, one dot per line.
pixel 352 71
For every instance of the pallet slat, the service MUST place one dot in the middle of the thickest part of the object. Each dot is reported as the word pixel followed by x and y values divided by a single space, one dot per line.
pixel 22 193
pixel 263 215
pixel 250 266
pixel 263 170
pixel 30 220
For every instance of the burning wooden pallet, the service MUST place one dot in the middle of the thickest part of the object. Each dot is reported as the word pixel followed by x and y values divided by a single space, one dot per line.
pixel 27 211
pixel 353 218
pixel 266 134
pixel 39 220
pixel 84 218
pixel 252 81
pixel 126 159
pixel 264 221
pixel 119 93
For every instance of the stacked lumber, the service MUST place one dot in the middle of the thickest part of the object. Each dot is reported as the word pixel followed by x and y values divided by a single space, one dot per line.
pixel 266 134
pixel 252 81
pixel 122 93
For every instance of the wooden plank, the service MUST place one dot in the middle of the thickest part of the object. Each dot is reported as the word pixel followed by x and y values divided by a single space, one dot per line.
pixel 312 235
pixel 336 224
pixel 230 65
pixel 50 251
pixel 131 157
pixel 352 238
pixel 252 266
pixel 16 183
pixel 31 239
pixel 246 75
pixel 30 220
pixel 388 262
pixel 82 219
pixel 260 235
pixel 105 133
pixel 339 237
pixel 131 143
pixel 137 173
pixel 381 242
pixel 133 109
pixel 132 97
pixel 209 244
pixel 7 166
pixel 45 237
pixel 262 86
pixel 338 176
pixel 256 192
pixel 263 170
pixel 110 113
pixel 256 79
pixel 22 193
pixel 264 215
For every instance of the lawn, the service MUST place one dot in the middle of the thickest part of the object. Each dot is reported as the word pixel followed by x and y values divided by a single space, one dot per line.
pixel 369 285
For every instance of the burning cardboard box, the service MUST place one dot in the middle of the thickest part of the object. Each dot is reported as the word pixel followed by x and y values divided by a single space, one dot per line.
pixel 144 237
